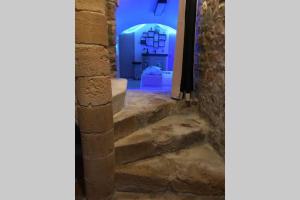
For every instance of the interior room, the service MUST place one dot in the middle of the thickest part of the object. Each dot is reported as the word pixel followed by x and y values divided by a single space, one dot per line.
pixel 146 41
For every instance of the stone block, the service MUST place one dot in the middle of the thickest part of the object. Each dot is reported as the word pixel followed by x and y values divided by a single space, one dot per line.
pixel 95 119
pixel 113 68
pixel 213 106
pixel 111 8
pixel 91 28
pixel 197 170
pixel 93 90
pixel 111 34
pixel 119 88
pixel 114 1
pixel 217 140
pixel 168 135
pixel 112 54
pixel 144 179
pixel 97 144
pixel 92 5
pixel 99 177
pixel 144 109
pixel 125 127
pixel 91 60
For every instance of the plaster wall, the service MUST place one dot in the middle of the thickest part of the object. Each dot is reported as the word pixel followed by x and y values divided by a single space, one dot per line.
pixel 126 55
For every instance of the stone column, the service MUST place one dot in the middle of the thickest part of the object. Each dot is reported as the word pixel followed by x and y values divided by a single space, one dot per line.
pixel 93 97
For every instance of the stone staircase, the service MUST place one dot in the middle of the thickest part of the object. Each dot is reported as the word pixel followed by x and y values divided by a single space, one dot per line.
pixel 142 109
pixel 162 151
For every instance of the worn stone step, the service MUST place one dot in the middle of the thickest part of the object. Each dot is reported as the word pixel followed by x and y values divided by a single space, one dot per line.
pixel 118 88
pixel 141 109
pixel 198 170
pixel 167 135
pixel 163 196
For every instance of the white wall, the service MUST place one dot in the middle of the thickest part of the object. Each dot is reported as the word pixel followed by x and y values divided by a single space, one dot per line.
pixel 126 53
pixel 171 51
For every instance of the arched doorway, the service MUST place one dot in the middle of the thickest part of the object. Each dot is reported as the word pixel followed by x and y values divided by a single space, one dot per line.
pixel 145 55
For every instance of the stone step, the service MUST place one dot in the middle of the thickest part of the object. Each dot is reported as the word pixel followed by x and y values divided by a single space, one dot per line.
pixel 198 170
pixel 140 110
pixel 167 135
pixel 118 88
pixel 163 196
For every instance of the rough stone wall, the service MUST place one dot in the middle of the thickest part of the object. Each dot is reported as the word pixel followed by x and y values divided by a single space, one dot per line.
pixel 111 22
pixel 211 92
pixel 94 96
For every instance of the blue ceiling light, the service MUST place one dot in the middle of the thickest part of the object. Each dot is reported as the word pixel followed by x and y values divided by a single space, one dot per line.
pixel 168 29
pixel 160 7
pixel 133 29
pixel 165 29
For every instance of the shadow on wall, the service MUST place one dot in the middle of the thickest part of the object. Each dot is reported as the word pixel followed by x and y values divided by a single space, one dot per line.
pixel 79 174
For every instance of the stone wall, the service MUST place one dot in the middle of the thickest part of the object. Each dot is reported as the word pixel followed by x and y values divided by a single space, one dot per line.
pixel 94 96
pixel 211 88
pixel 111 22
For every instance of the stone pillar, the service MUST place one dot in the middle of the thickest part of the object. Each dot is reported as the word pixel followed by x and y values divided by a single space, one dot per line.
pixel 93 97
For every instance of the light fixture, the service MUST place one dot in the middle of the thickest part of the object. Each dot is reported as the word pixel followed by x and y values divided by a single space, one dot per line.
pixel 160 7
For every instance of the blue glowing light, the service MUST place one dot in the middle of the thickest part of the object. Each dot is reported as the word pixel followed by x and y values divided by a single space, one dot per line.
pixel 167 29
pixel 134 29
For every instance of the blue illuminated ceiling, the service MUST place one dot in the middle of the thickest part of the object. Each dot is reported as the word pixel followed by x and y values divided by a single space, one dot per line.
pixel 134 28
pixel 139 12
pixel 167 29
pixel 160 7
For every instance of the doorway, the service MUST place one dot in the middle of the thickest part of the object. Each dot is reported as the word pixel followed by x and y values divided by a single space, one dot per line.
pixel 146 42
